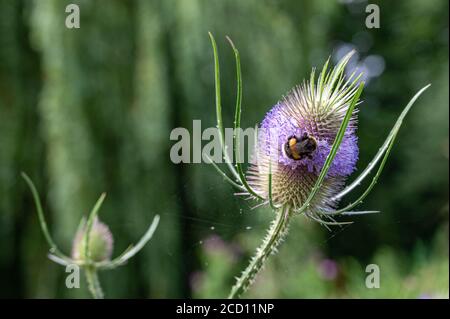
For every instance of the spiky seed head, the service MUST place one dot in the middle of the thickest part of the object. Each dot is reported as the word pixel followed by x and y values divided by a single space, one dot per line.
pixel 297 135
pixel 100 243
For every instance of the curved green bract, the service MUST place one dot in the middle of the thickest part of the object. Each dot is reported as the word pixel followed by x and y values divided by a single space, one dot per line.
pixel 53 248
pixel 89 224
pixel 219 108
pixel 386 149
pixel 383 148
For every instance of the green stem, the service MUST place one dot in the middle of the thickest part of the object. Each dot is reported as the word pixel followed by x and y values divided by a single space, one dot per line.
pixel 274 237
pixel 93 282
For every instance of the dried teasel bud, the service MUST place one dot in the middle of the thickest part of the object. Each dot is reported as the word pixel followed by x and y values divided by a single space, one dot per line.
pixel 100 243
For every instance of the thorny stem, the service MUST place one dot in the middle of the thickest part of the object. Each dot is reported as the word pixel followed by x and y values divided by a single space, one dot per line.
pixel 93 282
pixel 277 231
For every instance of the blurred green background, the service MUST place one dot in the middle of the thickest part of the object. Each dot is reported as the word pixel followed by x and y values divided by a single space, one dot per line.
pixel 89 110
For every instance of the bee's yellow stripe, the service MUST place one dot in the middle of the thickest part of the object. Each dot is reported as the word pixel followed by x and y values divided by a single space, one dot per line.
pixel 292 143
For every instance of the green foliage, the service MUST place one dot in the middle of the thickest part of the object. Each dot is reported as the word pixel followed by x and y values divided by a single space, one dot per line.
pixel 300 271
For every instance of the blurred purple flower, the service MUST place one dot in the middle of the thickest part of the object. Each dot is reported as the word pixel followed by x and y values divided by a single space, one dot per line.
pixel 328 269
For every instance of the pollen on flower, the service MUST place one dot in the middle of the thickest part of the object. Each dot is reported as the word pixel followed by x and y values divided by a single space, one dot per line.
pixel 296 136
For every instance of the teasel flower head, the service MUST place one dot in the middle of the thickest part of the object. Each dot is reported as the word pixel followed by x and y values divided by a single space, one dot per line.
pixel 306 148
pixel 296 136
pixel 100 243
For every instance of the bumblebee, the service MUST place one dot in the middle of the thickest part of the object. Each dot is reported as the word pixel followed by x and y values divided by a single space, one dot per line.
pixel 299 148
